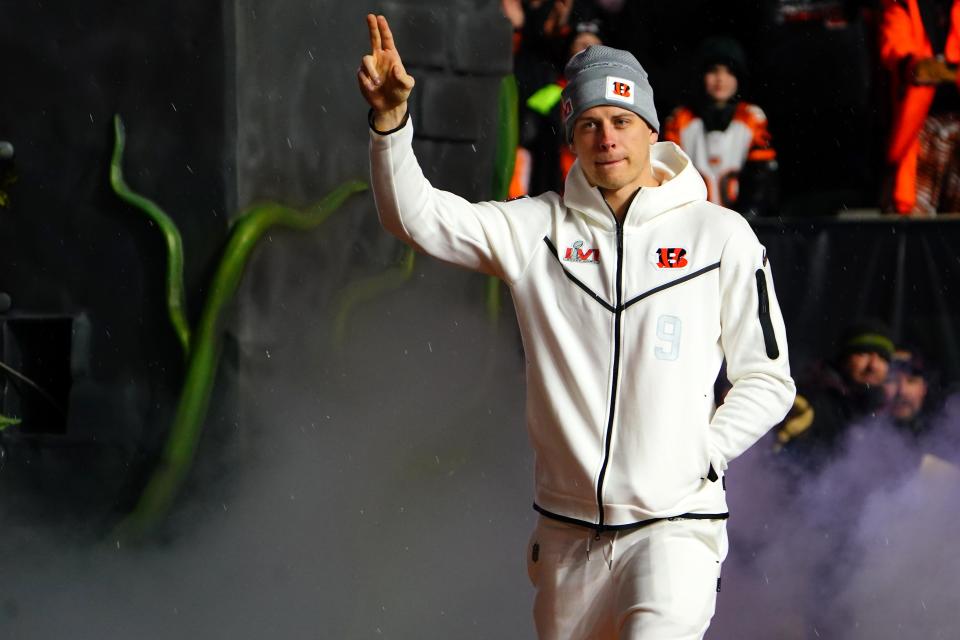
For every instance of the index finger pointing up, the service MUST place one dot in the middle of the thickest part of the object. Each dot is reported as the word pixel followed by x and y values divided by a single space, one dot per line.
pixel 386 33
pixel 374 32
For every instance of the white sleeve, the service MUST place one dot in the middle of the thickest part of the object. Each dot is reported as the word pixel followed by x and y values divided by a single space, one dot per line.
pixel 754 343
pixel 497 238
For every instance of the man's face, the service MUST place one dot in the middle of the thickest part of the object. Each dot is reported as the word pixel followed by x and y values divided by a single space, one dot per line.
pixel 906 392
pixel 613 146
pixel 720 84
pixel 866 368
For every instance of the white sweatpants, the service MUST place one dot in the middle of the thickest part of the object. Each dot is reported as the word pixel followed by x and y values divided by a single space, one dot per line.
pixel 658 582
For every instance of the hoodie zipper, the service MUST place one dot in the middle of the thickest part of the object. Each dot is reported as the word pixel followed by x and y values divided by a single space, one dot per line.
pixel 618 311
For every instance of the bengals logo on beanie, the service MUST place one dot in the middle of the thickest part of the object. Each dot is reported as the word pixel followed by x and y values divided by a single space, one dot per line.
pixel 619 89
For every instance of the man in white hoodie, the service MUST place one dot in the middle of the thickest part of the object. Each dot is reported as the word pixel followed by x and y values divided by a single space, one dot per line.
pixel 630 291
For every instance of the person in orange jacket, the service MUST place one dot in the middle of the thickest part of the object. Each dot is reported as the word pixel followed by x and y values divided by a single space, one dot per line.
pixel 920 46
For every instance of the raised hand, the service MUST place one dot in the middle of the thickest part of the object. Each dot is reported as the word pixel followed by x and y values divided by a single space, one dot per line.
pixel 513 11
pixel 558 18
pixel 383 81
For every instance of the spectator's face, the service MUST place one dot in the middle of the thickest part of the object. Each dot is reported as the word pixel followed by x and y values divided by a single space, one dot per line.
pixel 906 392
pixel 582 41
pixel 613 146
pixel 720 84
pixel 866 368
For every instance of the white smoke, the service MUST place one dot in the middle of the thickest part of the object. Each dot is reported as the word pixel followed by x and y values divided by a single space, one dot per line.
pixel 860 549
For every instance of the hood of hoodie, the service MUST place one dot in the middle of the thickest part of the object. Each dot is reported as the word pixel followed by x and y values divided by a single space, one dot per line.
pixel 680 183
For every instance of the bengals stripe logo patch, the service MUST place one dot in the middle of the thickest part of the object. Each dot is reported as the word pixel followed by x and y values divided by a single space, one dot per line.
pixel 670 258
pixel 620 90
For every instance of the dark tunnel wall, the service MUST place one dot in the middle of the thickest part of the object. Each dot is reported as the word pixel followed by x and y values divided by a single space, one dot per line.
pixel 71 250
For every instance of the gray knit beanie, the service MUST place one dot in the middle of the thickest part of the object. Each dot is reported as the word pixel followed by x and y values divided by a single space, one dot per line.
pixel 601 75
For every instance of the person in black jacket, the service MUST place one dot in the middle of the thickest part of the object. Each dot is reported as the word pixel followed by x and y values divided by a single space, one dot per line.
pixel 840 392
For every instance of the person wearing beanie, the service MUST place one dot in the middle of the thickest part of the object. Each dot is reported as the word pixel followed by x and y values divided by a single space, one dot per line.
pixel 841 391
pixel 909 388
pixel 726 137
pixel 630 290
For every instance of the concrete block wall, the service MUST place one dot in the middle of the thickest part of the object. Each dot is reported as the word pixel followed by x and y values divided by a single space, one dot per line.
pixel 301 127
pixel 458 52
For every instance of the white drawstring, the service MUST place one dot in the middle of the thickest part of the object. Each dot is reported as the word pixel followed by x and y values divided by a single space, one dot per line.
pixel 613 544
pixel 607 552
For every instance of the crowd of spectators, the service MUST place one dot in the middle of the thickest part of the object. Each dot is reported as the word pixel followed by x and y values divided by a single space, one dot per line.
pixel 867 383
pixel 914 46
pixel 869 421
pixel 867 380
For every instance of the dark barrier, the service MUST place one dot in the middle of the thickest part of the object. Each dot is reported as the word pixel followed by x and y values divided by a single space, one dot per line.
pixel 82 300
pixel 905 272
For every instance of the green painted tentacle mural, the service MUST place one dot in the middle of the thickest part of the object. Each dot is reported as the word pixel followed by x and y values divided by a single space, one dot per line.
pixel 176 298
pixel 204 356
pixel 356 293
pixel 508 137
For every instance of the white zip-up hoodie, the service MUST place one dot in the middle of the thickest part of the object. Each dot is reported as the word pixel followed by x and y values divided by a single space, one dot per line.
pixel 624 329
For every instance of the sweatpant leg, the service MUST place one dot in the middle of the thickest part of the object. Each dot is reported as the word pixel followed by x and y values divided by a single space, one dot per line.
pixel 667 579
pixel 571 575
